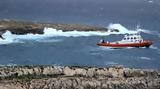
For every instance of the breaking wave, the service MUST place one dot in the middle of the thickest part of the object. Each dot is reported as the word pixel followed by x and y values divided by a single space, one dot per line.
pixel 110 63
pixel 120 28
pixel 124 30
pixel 53 32
pixel 153 47
pixel 9 65
pixel 150 1
pixel 145 58
pixel 50 32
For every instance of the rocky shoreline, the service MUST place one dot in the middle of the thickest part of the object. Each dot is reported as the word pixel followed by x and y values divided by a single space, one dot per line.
pixel 70 77
pixel 75 77
pixel 24 27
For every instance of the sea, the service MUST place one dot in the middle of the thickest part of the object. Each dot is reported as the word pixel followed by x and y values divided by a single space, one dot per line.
pixel 78 48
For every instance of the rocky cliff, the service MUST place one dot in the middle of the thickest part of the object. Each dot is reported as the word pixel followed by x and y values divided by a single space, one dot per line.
pixel 53 77
pixel 24 27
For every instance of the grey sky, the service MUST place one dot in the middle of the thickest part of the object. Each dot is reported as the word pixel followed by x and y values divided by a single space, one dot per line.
pixel 89 11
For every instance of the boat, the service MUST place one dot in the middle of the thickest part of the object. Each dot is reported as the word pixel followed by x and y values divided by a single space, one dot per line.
pixel 129 40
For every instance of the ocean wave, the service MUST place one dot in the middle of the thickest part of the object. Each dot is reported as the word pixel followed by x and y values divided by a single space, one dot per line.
pixel 9 65
pixel 150 1
pixel 48 40
pixel 145 58
pixel 101 48
pixel 148 31
pixel 55 32
pixel 120 28
pixel 153 47
pixel 106 48
pixel 110 63
pixel 48 33
pixel 124 30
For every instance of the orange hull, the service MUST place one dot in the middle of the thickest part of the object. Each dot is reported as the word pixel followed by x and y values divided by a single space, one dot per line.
pixel 123 45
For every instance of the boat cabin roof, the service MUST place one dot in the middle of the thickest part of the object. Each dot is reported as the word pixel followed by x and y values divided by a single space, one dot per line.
pixel 133 34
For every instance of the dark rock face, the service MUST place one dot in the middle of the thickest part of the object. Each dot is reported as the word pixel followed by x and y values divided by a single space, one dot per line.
pixel 52 77
pixel 114 30
pixel 21 27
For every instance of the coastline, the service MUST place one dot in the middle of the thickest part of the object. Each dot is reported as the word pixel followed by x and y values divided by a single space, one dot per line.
pixel 70 77
pixel 77 77
pixel 24 27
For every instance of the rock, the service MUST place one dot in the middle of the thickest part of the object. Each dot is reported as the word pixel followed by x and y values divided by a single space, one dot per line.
pixel 140 73
pixel 114 30
pixel 50 70
pixel 68 71
pixel 24 27
pixel 52 77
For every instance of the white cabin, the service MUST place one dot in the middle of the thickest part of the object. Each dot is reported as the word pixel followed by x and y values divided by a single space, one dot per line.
pixel 132 38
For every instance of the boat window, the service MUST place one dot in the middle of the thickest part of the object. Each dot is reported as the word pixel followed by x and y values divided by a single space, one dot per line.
pixel 131 38
pixel 127 38
pixel 135 38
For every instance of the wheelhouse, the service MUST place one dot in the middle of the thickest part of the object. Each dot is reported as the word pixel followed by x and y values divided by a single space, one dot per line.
pixel 136 37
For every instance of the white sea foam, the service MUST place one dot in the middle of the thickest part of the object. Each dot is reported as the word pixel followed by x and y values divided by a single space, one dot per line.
pixel 9 65
pixel 150 1
pixel 148 31
pixel 54 32
pixel 117 26
pixel 110 63
pixel 122 29
pixel 153 47
pixel 8 38
pixel 49 40
pixel 145 58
